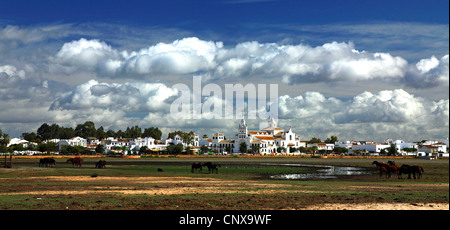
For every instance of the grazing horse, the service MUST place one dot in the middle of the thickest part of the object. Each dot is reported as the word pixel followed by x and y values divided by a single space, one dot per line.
pixel 392 168
pixel 391 163
pixel 417 169
pixel 406 169
pixel 383 169
pixel 100 164
pixel 196 166
pixel 386 168
pixel 75 161
pixel 411 170
pixel 42 162
pixel 47 162
pixel 212 167
pixel 378 164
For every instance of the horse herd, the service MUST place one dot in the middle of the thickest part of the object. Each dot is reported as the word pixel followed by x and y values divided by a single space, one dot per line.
pixel 391 167
pixel 77 161
pixel 384 168
pixel 212 167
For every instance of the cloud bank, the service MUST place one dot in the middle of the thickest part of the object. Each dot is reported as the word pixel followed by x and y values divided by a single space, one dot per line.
pixel 291 64
pixel 388 113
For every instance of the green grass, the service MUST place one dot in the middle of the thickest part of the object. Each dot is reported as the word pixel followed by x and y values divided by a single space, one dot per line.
pixel 284 193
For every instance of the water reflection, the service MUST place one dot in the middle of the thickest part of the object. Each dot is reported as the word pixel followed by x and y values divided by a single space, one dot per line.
pixel 321 172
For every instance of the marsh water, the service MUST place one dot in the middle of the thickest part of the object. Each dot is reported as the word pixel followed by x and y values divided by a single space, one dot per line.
pixel 306 171
pixel 323 172
pixel 314 171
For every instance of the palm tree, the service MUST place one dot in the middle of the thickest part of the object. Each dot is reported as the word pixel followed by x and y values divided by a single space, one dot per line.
pixel 314 149
pixel 4 141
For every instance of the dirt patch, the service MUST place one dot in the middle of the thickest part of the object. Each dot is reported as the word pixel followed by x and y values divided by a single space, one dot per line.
pixel 156 186
pixel 181 192
pixel 380 206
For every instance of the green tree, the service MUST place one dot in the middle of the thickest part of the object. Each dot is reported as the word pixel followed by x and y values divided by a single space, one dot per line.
pixel 66 133
pixel 100 149
pixel 153 132
pixel 255 148
pixel 48 147
pixel 187 137
pixel 243 147
pixel 281 150
pixel 110 133
pixel 204 149
pixel 338 149
pixel 175 149
pixel 4 141
pixel 331 140
pixel 314 140
pixel 392 151
pixel 133 132
pixel 44 132
pixel 29 136
pixel 86 130
pixel 410 150
pixel 144 150
pixel 100 134
pixel 303 149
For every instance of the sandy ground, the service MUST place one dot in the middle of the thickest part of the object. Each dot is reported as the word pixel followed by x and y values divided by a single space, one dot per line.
pixel 381 206
pixel 190 185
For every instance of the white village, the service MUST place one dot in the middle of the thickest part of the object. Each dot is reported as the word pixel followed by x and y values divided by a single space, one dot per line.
pixel 269 141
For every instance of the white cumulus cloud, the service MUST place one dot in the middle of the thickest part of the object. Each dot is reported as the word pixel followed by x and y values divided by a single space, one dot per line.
pixel 129 97
pixel 291 64
pixel 388 113
pixel 429 72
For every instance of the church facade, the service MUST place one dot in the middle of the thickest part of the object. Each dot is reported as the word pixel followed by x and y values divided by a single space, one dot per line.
pixel 266 141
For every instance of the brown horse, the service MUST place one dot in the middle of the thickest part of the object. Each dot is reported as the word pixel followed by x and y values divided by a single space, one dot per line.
pixel 196 166
pixel 408 169
pixel 100 164
pixel 391 163
pixel 386 168
pixel 417 169
pixel 393 168
pixel 47 162
pixel 378 164
pixel 75 161
pixel 212 167
pixel 383 169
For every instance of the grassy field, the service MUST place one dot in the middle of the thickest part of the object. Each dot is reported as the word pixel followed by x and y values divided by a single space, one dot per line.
pixel 241 184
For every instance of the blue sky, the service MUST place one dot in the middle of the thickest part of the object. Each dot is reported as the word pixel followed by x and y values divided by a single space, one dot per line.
pixel 224 12
pixel 365 69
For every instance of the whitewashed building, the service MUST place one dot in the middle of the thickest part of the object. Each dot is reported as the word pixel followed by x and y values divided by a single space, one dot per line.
pixel 74 141
pixel 323 146
pixel 269 140
pixel 370 147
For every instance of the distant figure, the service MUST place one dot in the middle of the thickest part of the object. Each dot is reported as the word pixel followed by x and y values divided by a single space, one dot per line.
pixel 160 170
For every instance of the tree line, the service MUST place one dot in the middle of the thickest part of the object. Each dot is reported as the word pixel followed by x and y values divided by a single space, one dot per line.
pixel 88 130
